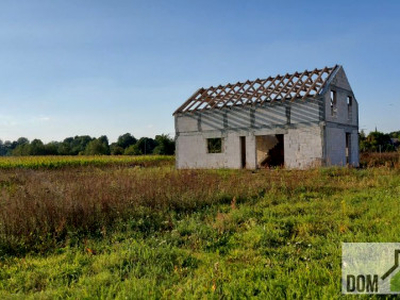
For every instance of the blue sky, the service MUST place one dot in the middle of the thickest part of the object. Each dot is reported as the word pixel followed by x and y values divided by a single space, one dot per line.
pixel 109 67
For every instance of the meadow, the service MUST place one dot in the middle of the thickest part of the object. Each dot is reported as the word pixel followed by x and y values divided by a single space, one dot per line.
pixel 140 229
pixel 60 162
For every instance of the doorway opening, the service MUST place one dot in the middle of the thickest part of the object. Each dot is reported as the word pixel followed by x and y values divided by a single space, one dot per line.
pixel 348 147
pixel 270 151
pixel 243 152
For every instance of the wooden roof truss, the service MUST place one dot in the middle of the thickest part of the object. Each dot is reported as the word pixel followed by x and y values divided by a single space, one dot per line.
pixel 288 87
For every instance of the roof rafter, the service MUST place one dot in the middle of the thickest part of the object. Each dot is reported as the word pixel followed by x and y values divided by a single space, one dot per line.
pixel 307 84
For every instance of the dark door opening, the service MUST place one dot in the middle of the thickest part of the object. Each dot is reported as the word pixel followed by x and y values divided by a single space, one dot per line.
pixel 243 151
pixel 270 151
pixel 348 147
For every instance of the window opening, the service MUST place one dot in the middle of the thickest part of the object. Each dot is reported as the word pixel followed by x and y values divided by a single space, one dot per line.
pixel 214 145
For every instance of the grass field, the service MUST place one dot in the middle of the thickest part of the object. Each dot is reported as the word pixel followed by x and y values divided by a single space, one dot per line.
pixel 62 162
pixel 155 232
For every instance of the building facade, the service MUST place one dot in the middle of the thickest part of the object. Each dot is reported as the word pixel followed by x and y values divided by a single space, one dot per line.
pixel 300 120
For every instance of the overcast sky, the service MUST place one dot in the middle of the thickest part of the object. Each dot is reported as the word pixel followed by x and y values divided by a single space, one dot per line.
pixel 109 67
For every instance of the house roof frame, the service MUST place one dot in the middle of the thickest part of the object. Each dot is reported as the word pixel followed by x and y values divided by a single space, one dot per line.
pixel 288 87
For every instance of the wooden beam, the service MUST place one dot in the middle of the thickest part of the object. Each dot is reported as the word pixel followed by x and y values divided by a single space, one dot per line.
pixel 285 85
pixel 229 91
pixel 315 82
pixel 196 100
pixel 331 70
pixel 188 101
pixel 303 85
pixel 276 85
pixel 264 89
pixel 270 89
pixel 296 84
pixel 250 86
pixel 240 85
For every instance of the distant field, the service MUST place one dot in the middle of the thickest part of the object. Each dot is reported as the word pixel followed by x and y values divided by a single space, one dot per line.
pixel 59 162
pixel 155 232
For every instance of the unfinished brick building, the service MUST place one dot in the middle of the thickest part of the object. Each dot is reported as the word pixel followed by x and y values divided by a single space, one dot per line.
pixel 297 120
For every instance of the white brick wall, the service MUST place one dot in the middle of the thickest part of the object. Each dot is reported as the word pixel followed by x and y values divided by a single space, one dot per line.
pixel 192 151
pixel 303 147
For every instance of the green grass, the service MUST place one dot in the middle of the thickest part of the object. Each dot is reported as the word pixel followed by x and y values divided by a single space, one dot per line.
pixel 270 234
pixel 60 162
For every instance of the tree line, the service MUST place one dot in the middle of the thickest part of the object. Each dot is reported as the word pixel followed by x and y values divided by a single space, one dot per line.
pixel 377 141
pixel 162 144
pixel 126 144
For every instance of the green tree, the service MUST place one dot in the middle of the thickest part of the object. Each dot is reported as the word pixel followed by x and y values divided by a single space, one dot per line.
pixel 74 145
pixel 395 134
pixel 165 145
pixel 116 150
pixel 52 148
pixel 98 146
pixel 36 147
pixel 65 147
pixel 7 148
pixel 22 141
pixel 21 150
pixel 126 140
pixel 146 145
pixel 3 149
pixel 79 144
pixel 133 150
pixel 376 141
pixel 20 147
pixel 362 139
